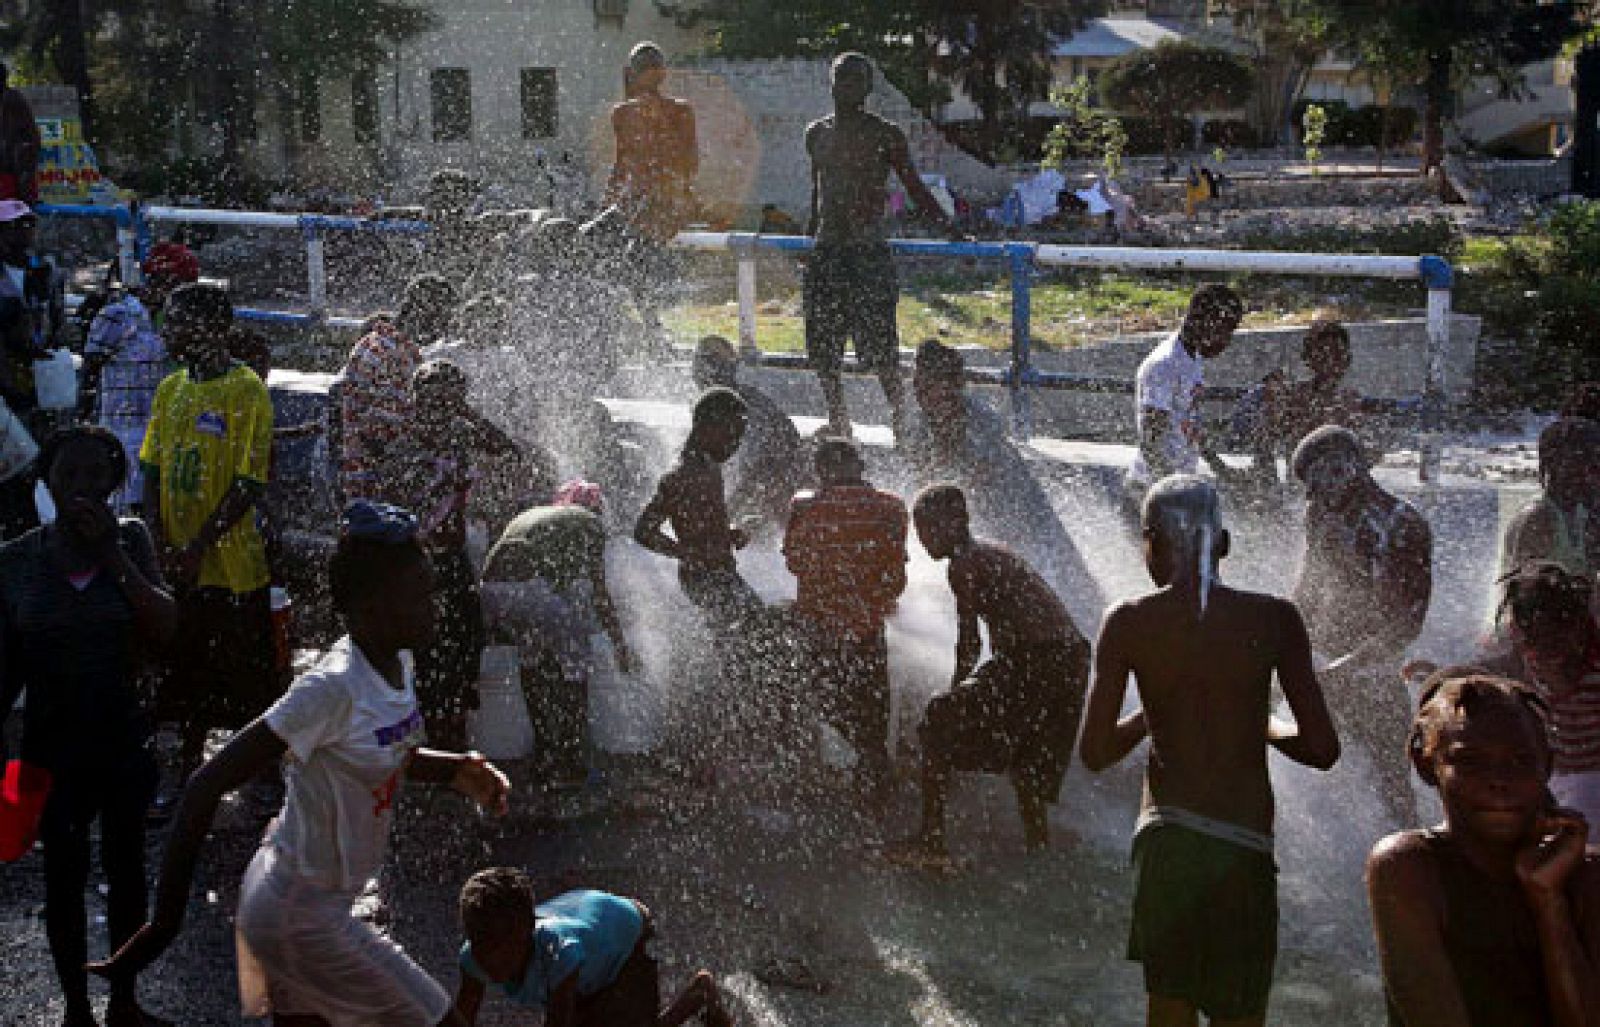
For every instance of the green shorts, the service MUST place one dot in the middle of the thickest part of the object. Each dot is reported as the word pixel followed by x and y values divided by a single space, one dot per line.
pixel 1205 921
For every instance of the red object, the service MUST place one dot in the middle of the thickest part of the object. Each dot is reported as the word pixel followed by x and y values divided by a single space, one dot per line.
pixel 171 260
pixel 10 188
pixel 282 627
pixel 22 798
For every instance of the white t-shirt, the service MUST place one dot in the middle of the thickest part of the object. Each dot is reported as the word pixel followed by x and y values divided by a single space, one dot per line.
pixel 348 732
pixel 1170 380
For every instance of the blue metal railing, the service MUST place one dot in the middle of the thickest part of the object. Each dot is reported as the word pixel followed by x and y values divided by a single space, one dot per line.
pixel 1024 261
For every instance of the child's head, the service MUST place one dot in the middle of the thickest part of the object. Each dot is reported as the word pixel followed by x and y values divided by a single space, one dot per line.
pixel 83 462
pixel 497 918
pixel 719 422
pixel 851 79
pixel 940 513
pixel 1183 534
pixel 1549 612
pixel 1569 459
pixel 199 318
pixel 252 349
pixel 647 66
pixel 1326 350
pixel 1331 463
pixel 380 577
pixel 1215 312
pixel 438 389
pixel 838 462
pixel 1482 741
pixel 716 362
pixel 428 307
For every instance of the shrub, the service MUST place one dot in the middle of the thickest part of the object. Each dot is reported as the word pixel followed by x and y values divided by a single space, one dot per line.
pixel 1435 235
pixel 1540 292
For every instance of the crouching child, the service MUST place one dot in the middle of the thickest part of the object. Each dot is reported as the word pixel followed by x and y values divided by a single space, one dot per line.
pixel 581 957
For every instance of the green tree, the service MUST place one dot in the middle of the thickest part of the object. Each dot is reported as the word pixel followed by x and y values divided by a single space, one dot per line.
pixel 1085 130
pixel 1441 43
pixel 996 51
pixel 1175 80
pixel 1285 38
pixel 164 66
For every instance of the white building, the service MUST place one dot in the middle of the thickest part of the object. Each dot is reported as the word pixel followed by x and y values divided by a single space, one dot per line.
pixel 493 87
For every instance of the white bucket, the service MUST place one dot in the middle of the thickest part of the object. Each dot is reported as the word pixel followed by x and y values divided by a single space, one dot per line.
pixel 499 728
pixel 55 381
pixel 625 713
pixel 17 447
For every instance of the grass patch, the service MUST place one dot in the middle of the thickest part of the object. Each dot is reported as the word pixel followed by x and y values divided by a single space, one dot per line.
pixel 1069 308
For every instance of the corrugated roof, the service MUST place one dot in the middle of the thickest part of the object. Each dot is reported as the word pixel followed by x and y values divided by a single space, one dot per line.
pixel 1113 37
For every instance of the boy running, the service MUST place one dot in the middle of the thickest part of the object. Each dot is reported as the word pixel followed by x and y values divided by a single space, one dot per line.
pixel 1018 712
pixel 348 734
pixel 1493 917
pixel 581 957
pixel 205 460
pixel 1205 912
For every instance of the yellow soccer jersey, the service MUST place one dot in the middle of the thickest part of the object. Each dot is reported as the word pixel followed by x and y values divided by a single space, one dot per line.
pixel 202 436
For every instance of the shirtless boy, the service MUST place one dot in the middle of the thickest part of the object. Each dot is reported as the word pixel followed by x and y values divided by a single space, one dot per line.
pixel 1016 714
pixel 850 284
pixel 1205 912
pixel 1493 917
pixel 691 500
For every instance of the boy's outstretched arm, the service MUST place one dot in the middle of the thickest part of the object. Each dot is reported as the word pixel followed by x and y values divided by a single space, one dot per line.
pixel 1407 906
pixel 916 188
pixel 1311 739
pixel 1106 738
pixel 249 753
pixel 468 773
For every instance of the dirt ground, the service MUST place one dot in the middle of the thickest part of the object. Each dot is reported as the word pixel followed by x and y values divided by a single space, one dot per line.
pixel 787 901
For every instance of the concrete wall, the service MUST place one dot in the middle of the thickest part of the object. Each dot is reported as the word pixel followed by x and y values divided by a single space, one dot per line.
pixel 1388 361
pixel 494 40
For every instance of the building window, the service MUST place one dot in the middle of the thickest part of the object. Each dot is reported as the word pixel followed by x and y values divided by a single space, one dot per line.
pixel 364 106
pixel 452 104
pixel 614 11
pixel 540 107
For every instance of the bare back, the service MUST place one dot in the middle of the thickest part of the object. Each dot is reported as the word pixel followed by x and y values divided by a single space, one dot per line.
pixel 1206 691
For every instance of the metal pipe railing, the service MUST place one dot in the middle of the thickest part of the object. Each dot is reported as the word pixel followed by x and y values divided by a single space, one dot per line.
pixel 1023 259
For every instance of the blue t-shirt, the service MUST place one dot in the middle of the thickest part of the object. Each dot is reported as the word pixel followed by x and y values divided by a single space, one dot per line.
pixel 590 933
